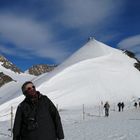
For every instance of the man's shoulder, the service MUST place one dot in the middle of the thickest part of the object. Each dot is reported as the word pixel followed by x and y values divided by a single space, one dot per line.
pixel 23 103
pixel 44 97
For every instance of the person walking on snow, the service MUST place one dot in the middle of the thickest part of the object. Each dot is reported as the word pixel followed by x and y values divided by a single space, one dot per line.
pixel 122 105
pixel 36 117
pixel 119 106
pixel 106 106
pixel 135 104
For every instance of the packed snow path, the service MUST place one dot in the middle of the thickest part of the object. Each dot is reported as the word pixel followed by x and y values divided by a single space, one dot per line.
pixel 118 126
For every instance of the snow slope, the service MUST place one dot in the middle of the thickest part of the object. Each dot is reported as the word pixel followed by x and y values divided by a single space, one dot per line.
pixel 13 88
pixel 118 126
pixel 94 73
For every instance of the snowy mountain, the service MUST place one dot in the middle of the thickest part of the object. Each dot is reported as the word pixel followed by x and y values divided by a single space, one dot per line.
pixel 11 80
pixel 95 73
pixel 9 65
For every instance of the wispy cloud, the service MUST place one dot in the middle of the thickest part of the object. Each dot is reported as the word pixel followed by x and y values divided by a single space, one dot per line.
pixel 132 43
pixel 43 29
pixel 30 36
pixel 24 32
pixel 87 14
pixel 3 49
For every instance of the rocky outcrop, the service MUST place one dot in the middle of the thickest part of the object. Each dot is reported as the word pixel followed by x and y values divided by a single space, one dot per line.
pixel 137 65
pixel 40 69
pixel 7 64
pixel 132 55
pixel 4 79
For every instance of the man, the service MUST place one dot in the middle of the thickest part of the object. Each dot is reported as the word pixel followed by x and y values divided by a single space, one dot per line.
pixel 106 106
pixel 119 106
pixel 36 117
pixel 122 105
pixel 135 104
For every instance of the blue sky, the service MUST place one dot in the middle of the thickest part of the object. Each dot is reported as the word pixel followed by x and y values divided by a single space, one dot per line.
pixel 49 31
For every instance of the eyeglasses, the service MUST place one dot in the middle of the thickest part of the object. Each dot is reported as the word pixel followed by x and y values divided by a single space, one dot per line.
pixel 29 88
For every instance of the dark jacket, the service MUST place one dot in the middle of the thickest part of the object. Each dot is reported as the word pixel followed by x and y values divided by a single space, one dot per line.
pixel 38 121
pixel 107 106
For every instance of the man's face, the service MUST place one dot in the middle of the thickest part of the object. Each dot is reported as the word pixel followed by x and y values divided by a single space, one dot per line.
pixel 30 89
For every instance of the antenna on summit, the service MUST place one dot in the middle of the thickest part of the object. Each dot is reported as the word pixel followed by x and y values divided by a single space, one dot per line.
pixel 90 38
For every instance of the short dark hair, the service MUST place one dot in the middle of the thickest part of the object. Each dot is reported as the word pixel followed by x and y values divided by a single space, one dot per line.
pixel 24 85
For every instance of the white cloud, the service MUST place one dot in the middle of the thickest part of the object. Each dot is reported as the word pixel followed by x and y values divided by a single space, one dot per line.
pixel 89 13
pixel 29 36
pixel 3 49
pixel 130 43
pixel 24 32
pixel 14 52
pixel 42 39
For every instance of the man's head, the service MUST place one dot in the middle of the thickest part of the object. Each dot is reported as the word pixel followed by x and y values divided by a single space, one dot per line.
pixel 28 89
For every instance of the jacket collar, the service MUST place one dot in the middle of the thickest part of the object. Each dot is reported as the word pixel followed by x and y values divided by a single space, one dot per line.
pixel 32 101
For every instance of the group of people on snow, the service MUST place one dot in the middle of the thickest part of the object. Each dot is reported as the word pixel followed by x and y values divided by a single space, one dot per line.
pixel 120 106
pixel 107 107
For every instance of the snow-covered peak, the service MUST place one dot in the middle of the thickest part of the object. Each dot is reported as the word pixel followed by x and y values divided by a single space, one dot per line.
pixel 95 73
pixel 92 49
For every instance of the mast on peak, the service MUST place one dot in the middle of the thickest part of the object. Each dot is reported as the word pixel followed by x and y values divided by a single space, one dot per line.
pixel 91 38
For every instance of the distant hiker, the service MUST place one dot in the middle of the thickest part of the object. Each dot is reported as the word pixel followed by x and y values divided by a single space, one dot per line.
pixel 106 106
pixel 119 106
pixel 36 117
pixel 122 105
pixel 135 104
